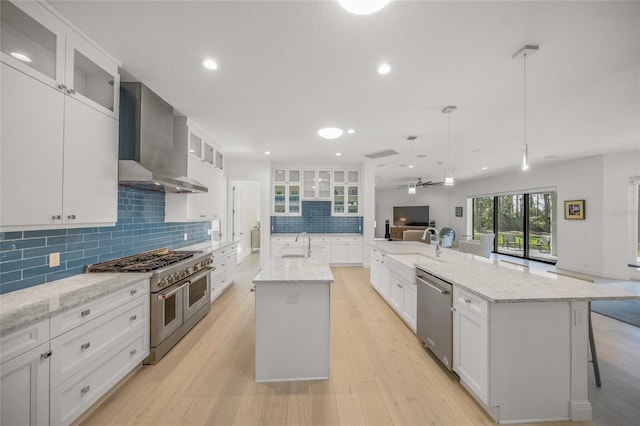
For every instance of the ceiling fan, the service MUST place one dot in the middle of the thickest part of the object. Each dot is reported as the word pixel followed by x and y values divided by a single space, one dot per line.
pixel 419 183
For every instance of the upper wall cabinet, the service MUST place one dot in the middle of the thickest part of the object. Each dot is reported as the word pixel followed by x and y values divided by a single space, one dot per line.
pixel 194 157
pixel 38 43
pixel 59 164
pixel 316 184
pixel 346 193
pixel 287 176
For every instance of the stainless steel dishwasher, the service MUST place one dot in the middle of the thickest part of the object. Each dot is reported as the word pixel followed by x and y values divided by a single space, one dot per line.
pixel 434 322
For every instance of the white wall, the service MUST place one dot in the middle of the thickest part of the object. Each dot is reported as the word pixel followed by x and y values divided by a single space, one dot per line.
pixel 436 197
pixel 599 245
pixel 368 206
pixel 256 170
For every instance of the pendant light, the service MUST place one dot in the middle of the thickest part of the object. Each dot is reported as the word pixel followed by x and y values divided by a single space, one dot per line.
pixel 412 189
pixel 526 50
pixel 448 173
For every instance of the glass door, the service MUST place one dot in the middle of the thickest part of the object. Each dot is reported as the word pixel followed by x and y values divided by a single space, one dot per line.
pixel 294 198
pixel 338 199
pixel 510 233
pixel 352 201
pixel 324 184
pixel 540 224
pixel 308 183
pixel 279 199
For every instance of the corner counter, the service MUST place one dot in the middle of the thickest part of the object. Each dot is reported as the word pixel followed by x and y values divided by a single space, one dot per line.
pixel 292 319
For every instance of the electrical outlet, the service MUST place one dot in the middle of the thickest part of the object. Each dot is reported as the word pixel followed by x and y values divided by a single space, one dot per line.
pixel 185 236
pixel 54 260
pixel 209 231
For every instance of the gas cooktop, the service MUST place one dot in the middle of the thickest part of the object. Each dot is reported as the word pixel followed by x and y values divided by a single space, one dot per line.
pixel 142 262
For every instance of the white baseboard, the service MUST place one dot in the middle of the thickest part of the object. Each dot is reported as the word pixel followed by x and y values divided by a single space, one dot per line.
pixel 580 411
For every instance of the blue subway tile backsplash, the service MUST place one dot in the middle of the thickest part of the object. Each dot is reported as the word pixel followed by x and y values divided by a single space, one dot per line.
pixel 316 218
pixel 24 255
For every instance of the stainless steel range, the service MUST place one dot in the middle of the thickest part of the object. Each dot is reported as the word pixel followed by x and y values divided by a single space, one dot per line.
pixel 179 292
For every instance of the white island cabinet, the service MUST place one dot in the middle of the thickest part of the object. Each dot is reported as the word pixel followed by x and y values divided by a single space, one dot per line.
pixel 292 319
pixel 520 337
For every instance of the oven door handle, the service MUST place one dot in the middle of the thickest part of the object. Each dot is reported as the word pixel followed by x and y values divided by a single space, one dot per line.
pixel 164 296
pixel 201 273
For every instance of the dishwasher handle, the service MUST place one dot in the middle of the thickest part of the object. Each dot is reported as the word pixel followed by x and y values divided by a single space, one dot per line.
pixel 436 288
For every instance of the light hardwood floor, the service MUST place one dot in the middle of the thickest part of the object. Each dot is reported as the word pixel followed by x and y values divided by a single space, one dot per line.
pixel 380 374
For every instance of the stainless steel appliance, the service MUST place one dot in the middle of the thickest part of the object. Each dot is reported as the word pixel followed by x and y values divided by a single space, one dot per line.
pixel 434 321
pixel 179 292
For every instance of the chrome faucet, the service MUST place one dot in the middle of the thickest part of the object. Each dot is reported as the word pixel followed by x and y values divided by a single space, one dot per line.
pixel 435 230
pixel 308 238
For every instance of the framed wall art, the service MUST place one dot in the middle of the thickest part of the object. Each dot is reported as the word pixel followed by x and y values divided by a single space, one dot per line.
pixel 458 211
pixel 574 209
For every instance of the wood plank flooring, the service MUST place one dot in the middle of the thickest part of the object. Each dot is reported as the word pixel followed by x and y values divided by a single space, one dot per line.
pixel 380 374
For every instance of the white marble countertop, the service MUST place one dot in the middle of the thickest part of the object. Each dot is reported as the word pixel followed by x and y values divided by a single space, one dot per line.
pixel 27 306
pixel 499 281
pixel 314 269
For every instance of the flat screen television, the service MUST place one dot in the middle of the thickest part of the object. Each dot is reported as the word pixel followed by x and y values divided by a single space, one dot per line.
pixel 411 216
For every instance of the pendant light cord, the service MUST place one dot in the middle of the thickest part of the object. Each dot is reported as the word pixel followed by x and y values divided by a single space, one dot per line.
pixel 449 139
pixel 525 98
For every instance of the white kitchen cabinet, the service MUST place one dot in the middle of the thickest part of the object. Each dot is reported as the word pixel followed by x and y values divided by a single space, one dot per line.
pixel 279 241
pixel 225 261
pixel 346 250
pixel 70 155
pixel 348 177
pixel 24 376
pixel 60 57
pixel 194 157
pixel 316 184
pixel 470 345
pixel 287 176
pixel 345 200
pixel 94 346
pixel 286 200
pixel 403 299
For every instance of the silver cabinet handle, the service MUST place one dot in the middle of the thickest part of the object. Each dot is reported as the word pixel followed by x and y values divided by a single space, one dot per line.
pixel 203 215
pixel 133 317
pixel 62 87
pixel 133 292
pixel 85 389
pixel 133 352
pixel 85 312
pixel 71 91
pixel 71 216
pixel 46 355
pixel 467 301
pixel 56 217
pixel 85 346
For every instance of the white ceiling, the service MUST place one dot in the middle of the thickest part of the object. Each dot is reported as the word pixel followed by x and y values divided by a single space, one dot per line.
pixel 287 68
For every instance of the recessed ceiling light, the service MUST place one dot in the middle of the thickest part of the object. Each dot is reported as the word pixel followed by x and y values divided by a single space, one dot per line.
pixel 192 150
pixel 330 132
pixel 384 68
pixel 485 168
pixel 267 153
pixel 338 154
pixel 361 7
pixel 21 56
pixel 411 166
pixel 210 64
pixel 351 131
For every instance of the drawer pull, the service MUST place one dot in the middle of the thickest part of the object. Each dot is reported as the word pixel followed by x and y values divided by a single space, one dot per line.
pixel 133 352
pixel 85 312
pixel 71 216
pixel 46 355
pixel 85 346
pixel 85 389
pixel 133 292
pixel 56 217
pixel 467 301
pixel 133 317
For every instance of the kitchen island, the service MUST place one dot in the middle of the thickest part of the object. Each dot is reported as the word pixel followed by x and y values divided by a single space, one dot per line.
pixel 520 335
pixel 292 318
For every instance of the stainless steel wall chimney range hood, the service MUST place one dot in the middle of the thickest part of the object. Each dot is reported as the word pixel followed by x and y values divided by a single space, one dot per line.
pixel 146 143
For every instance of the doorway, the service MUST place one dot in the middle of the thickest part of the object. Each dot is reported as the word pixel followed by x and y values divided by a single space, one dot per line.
pixel 246 216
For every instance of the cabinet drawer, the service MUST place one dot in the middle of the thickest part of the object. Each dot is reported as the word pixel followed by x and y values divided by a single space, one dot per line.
pixel 471 302
pixel 74 396
pixel 77 348
pixel 84 313
pixel 23 340
pixel 346 239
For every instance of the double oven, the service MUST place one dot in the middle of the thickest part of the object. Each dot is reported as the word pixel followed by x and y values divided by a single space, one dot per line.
pixel 180 292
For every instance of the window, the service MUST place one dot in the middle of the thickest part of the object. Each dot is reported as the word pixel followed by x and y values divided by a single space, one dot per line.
pixel 638 217
pixel 523 224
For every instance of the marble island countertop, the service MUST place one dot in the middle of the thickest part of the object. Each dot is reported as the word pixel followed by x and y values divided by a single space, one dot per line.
pixel 313 269
pixel 498 281
pixel 27 306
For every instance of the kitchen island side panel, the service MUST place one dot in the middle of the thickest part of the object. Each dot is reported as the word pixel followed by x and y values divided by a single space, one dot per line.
pixel 292 331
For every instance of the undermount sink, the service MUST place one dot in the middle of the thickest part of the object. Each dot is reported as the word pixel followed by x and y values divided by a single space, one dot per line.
pixel 293 255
